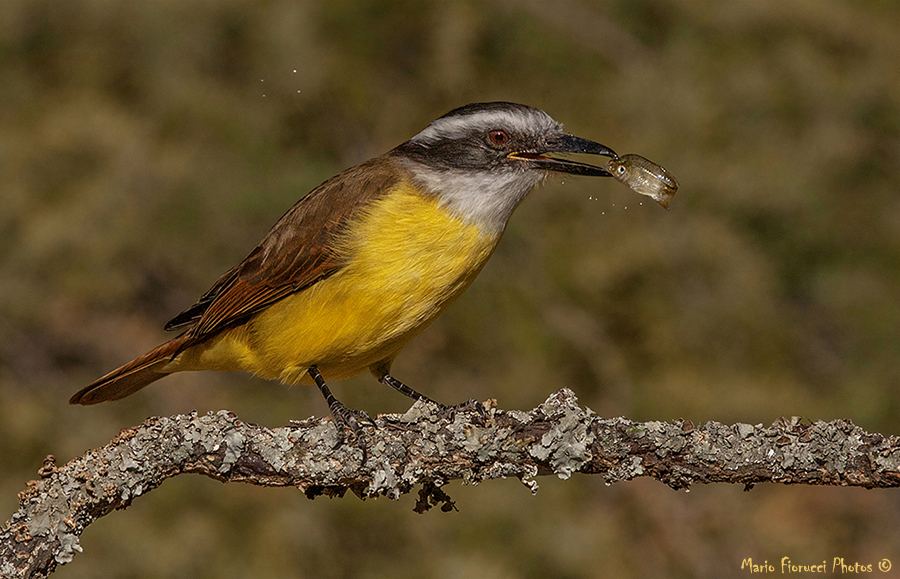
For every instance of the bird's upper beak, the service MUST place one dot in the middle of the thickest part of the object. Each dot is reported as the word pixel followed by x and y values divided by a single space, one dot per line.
pixel 567 144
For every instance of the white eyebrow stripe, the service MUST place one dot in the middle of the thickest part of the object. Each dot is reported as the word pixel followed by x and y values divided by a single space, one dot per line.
pixel 457 127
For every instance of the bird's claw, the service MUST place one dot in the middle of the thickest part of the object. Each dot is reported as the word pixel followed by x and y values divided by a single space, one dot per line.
pixel 470 405
pixel 349 419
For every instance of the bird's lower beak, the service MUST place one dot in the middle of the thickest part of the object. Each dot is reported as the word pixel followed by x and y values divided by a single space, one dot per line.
pixel 567 144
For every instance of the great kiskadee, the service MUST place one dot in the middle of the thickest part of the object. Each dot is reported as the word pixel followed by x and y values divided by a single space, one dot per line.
pixel 367 260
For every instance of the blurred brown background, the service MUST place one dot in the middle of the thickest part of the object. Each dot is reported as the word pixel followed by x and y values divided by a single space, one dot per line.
pixel 145 147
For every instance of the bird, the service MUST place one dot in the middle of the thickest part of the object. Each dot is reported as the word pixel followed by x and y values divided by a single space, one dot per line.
pixel 367 260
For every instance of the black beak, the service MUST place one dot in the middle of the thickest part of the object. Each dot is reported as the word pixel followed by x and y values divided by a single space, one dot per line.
pixel 567 144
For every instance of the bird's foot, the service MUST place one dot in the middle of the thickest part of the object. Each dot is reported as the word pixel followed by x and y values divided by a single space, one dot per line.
pixel 470 405
pixel 450 411
pixel 346 419
pixel 351 420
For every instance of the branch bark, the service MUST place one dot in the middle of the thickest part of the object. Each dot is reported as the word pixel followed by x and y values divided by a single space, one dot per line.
pixel 428 448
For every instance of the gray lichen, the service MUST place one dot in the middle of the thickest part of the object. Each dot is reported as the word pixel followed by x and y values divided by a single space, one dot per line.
pixel 429 447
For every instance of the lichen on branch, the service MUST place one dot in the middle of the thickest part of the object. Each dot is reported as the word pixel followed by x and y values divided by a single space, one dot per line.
pixel 428 447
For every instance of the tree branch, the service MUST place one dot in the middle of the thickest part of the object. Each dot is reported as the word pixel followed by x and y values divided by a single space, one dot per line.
pixel 426 447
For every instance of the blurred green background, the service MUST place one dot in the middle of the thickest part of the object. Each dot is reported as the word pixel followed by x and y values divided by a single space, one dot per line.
pixel 145 147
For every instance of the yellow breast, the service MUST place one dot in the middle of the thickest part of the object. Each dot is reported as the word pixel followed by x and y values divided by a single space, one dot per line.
pixel 407 259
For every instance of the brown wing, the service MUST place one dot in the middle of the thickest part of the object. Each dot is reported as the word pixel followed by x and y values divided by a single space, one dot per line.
pixel 295 254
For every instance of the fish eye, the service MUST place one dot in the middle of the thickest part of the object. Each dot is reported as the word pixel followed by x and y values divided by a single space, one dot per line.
pixel 498 138
pixel 620 169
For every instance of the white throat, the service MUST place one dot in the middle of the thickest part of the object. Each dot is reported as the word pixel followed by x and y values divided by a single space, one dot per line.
pixel 484 198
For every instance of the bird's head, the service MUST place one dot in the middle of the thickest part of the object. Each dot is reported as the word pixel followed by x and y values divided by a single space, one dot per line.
pixel 480 160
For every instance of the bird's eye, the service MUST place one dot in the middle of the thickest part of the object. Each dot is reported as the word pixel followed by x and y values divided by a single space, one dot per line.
pixel 498 138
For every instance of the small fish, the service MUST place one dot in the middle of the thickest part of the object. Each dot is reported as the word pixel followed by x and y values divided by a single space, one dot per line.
pixel 644 176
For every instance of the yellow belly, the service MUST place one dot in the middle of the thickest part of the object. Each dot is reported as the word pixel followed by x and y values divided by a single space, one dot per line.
pixel 408 260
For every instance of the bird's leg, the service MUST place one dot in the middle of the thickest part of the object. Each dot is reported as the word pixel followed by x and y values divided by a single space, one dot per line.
pixel 344 417
pixel 399 386
pixel 406 390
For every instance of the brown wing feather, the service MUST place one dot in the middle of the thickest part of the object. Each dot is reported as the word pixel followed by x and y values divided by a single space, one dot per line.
pixel 295 254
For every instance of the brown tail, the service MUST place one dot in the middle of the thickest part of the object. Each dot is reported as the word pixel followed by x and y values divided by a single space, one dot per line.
pixel 131 377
